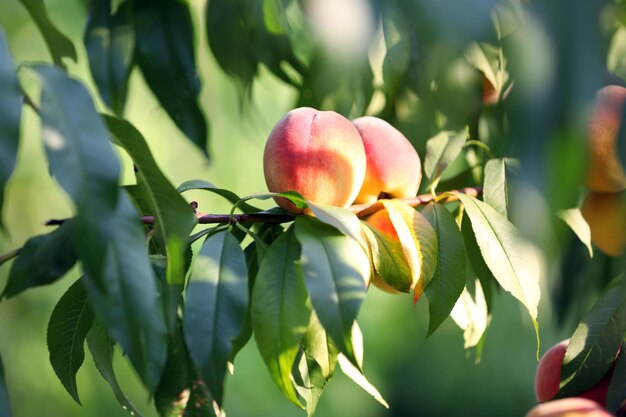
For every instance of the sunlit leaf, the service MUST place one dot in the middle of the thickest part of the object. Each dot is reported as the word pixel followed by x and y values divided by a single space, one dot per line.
pixel 595 343
pixel 340 218
pixel 495 190
pixel 82 160
pixel 514 262
pixel 471 315
pixel 43 260
pixel 58 44
pixel 10 116
pixel 355 375
pixel 70 321
pixel 578 224
pixel 388 259
pixel 310 382
pixel 101 347
pixel 448 281
pixel 335 272
pixel 165 54
pixel 215 307
pixel 441 151
pixel 280 311
pixel 320 347
pixel 110 44
pixel 174 217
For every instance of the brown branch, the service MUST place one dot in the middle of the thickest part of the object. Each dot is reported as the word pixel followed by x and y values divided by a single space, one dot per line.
pixel 9 255
pixel 361 210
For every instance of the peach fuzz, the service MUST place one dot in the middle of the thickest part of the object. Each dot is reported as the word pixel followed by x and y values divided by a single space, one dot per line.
pixel 605 172
pixel 569 407
pixel 548 377
pixel 319 154
pixel 394 169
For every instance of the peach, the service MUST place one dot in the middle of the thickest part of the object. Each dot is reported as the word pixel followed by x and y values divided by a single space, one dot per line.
pixel 548 377
pixel 606 215
pixel 394 168
pixel 319 154
pixel 569 407
pixel 605 172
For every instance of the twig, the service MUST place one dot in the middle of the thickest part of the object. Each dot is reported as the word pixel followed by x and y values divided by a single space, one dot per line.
pixel 9 255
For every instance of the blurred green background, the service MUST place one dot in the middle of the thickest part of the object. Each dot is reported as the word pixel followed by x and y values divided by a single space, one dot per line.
pixel 417 376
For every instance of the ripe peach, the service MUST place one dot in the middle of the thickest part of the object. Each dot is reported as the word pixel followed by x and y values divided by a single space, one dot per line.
pixel 605 171
pixel 606 215
pixel 569 407
pixel 394 168
pixel 548 377
pixel 319 154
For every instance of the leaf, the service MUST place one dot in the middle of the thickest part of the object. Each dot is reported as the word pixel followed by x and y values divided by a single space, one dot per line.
pixel 58 44
pixel 441 151
pixel 340 218
pixel 471 315
pixel 318 346
pixel 578 224
pixel 10 116
pixel 280 311
pixel 355 375
pixel 514 262
pixel 495 192
pixel 294 197
pixel 448 281
pixel 174 217
pixel 43 260
pixel 215 307
pixel 110 44
pixel 475 262
pixel 70 321
pixel 164 51
pixel 82 160
pixel 615 395
pixel 335 272
pixel 228 195
pixel 419 241
pixel 101 347
pixel 128 303
pixel 593 347
pixel 5 403
pixel 310 382
pixel 388 259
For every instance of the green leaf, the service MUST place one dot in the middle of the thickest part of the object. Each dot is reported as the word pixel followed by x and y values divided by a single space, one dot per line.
pixel 280 311
pixel 355 375
pixel 58 44
pixel 616 393
pixel 593 347
pixel 228 195
pixel 164 52
pixel 514 262
pixel 70 321
pixel 82 160
pixel 475 262
pixel 441 151
pixel 575 220
pixel 5 403
pixel 335 272
pixel 310 382
pixel 448 282
pixel 174 217
pixel 215 307
pixel 470 313
pixel 10 116
pixel 296 198
pixel 43 260
pixel 110 44
pixel 495 192
pixel 128 302
pixel 318 346
pixel 340 218
pixel 388 259
pixel 101 347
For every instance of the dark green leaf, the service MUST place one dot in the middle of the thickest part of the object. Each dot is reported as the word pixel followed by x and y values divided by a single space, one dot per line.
pixel 101 348
pixel 388 259
pixel 110 44
pixel 82 160
pixel 58 44
pixel 616 394
pixel 10 116
pixel 215 307
pixel 43 260
pixel 335 272
pixel 514 262
pixel 595 343
pixel 174 217
pixel 70 321
pixel 164 51
pixel 280 310
pixel 448 281
pixel 295 198
pixel 5 403
pixel 128 303
pixel 495 192
pixel 441 151
pixel 228 195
